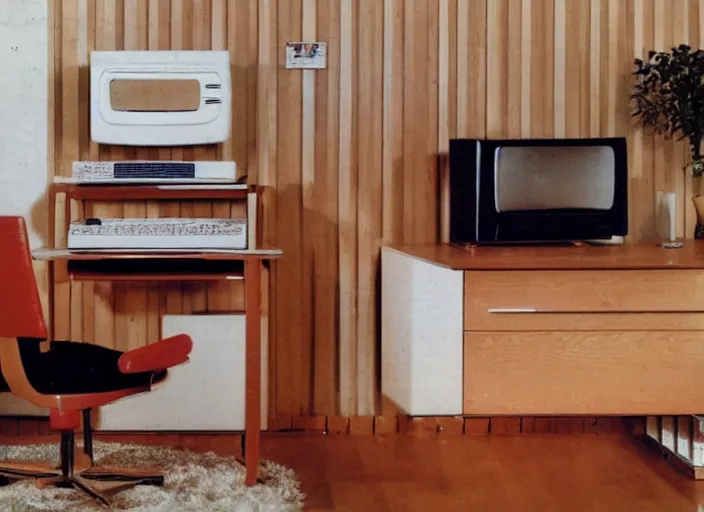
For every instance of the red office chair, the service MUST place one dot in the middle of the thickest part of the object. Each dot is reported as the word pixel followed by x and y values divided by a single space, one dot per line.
pixel 69 378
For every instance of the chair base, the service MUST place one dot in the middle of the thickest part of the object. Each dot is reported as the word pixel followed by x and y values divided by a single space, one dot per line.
pixel 79 472
pixel 96 482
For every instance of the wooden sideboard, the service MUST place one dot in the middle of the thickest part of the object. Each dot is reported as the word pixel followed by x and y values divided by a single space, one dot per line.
pixel 543 330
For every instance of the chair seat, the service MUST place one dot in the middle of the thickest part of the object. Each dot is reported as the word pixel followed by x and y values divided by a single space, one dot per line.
pixel 78 368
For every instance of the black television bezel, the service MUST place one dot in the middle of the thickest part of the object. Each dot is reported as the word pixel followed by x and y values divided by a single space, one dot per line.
pixel 482 224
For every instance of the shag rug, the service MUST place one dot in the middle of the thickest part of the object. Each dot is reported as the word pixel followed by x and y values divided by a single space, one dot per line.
pixel 192 482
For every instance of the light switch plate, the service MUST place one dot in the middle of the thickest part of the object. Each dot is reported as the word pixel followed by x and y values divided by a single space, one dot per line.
pixel 306 55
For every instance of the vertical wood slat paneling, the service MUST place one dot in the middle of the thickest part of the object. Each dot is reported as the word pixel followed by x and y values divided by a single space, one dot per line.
pixel 88 149
pixel 392 134
pixel 266 159
pixel 347 212
pixel 680 29
pixel 219 293
pixel 445 13
pixel 325 201
pixel 497 66
pixel 369 193
pixel 61 314
pixel 158 35
pixel 354 152
pixel 293 379
pixel 308 219
pixel 514 41
pixel 392 122
pixel 642 185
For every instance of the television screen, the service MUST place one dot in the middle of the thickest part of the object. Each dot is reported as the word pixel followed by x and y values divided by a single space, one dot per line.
pixel 554 177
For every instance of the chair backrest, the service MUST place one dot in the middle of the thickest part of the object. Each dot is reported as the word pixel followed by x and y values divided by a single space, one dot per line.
pixel 20 308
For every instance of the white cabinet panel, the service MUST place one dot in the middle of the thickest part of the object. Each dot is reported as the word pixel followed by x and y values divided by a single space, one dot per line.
pixel 207 393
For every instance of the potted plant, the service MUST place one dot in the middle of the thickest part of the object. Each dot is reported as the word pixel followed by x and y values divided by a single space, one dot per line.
pixel 668 97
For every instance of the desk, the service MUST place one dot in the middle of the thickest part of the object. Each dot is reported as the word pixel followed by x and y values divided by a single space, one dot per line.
pixel 179 265
pixel 247 265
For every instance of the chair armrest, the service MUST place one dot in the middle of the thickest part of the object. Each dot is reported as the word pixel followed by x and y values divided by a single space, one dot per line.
pixel 157 356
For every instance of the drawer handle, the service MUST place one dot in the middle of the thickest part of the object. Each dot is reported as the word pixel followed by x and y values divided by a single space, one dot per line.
pixel 511 310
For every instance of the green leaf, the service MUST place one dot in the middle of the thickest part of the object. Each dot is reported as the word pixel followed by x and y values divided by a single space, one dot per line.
pixel 668 96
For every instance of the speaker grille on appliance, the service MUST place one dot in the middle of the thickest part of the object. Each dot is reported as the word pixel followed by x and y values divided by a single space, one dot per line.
pixel 178 95
pixel 154 170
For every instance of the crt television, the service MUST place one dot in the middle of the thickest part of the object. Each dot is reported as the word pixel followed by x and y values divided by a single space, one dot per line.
pixel 537 190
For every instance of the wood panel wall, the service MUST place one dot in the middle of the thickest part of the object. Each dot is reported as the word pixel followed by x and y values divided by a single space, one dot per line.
pixel 356 153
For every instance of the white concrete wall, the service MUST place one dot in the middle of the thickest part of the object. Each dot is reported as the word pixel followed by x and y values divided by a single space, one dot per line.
pixel 24 172
pixel 24 113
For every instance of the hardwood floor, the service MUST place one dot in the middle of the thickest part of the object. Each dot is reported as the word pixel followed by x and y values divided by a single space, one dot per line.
pixel 516 473
pixel 503 473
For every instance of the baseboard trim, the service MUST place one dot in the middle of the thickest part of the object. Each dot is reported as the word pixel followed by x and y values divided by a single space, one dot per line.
pixel 447 425
pixel 393 425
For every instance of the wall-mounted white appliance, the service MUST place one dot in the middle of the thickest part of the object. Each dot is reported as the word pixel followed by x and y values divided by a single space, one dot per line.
pixel 160 98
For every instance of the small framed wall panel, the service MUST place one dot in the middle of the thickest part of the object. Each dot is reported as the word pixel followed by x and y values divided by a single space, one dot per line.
pixel 421 335
pixel 160 98
pixel 207 393
pixel 306 55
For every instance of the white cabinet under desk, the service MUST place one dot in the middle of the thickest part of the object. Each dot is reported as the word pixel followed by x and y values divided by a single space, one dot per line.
pixel 207 393
pixel 543 330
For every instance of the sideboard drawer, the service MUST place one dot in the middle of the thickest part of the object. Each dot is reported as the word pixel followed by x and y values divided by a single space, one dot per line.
pixel 589 373
pixel 583 299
